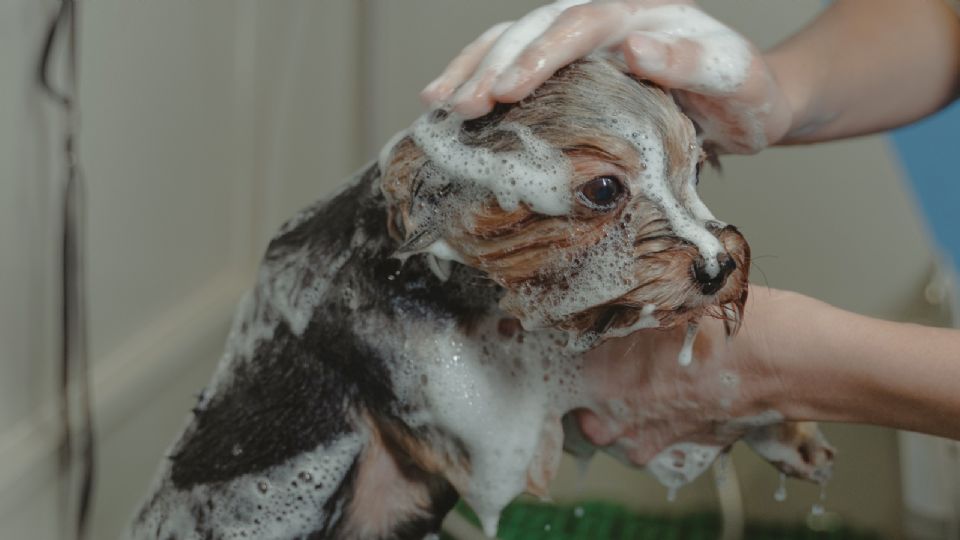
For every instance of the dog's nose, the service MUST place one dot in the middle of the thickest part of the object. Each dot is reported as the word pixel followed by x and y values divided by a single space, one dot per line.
pixel 711 284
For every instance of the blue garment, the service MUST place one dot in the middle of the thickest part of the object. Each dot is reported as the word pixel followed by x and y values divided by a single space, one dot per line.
pixel 929 152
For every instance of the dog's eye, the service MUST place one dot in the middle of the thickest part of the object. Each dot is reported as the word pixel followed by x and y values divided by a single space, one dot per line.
pixel 601 193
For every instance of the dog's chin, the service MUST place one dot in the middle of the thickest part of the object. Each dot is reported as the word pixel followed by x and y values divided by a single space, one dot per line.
pixel 631 314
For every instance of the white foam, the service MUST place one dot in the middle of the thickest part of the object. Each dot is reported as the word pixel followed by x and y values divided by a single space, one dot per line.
pixel 515 39
pixel 537 176
pixel 442 250
pixel 725 58
pixel 723 65
pixel 604 272
pixel 766 418
pixel 681 463
pixel 502 398
pixel 693 201
pixel 654 184
pixel 646 320
pixel 686 351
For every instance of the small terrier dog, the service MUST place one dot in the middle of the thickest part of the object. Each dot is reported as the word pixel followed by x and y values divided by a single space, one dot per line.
pixel 418 337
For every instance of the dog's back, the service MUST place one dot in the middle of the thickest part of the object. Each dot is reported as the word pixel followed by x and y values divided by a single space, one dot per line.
pixel 276 445
pixel 368 380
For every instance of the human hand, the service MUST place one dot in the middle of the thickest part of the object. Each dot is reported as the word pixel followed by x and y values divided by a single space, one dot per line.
pixel 649 409
pixel 717 77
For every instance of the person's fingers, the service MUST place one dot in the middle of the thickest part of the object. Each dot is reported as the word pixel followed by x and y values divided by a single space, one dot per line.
pixel 598 431
pixel 463 66
pixel 473 99
pixel 577 32
pixel 670 62
pixel 641 454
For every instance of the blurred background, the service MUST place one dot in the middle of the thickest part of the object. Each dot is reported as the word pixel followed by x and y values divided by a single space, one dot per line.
pixel 205 124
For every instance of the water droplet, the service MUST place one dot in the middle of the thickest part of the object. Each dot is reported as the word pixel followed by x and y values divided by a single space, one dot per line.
pixel 817 509
pixel 263 486
pixel 578 512
pixel 672 494
pixel 780 494
pixel 305 476
pixel 583 463
pixel 547 527
pixel 236 450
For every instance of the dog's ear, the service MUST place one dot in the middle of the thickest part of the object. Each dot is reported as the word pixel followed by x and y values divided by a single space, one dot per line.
pixel 422 214
pixel 711 156
pixel 419 240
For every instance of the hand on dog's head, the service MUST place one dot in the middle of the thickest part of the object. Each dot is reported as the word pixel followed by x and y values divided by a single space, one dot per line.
pixel 633 246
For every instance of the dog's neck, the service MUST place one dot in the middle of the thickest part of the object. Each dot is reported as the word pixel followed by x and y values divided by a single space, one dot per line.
pixel 323 336
pixel 340 255
pixel 437 364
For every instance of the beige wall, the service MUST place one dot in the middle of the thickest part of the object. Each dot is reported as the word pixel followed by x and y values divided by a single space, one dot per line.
pixel 203 126
pixel 206 124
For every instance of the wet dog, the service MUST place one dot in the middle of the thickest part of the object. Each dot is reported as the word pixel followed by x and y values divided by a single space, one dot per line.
pixel 418 337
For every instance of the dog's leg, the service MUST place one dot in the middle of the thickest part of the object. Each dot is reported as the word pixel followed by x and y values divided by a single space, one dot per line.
pixel 798 449
pixel 393 495
pixel 357 488
pixel 285 447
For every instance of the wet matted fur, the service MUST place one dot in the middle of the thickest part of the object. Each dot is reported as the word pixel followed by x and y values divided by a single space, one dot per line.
pixel 315 424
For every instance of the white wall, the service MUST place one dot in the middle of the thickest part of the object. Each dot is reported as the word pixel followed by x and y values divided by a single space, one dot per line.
pixel 203 126
pixel 206 124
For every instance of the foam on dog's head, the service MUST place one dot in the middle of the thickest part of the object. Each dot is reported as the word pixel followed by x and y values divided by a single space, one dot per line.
pixel 503 193
pixel 535 175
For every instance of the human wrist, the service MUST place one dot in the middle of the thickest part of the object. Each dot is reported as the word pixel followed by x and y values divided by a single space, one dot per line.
pixel 786 341
pixel 822 363
pixel 795 96
pixel 818 350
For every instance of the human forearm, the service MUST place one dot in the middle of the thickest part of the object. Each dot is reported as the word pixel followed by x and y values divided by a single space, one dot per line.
pixel 868 65
pixel 838 366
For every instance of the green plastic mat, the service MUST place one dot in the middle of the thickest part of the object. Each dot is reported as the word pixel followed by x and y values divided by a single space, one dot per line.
pixel 606 521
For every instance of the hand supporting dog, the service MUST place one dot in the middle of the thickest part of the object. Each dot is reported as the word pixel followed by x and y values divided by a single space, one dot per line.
pixel 419 337
pixel 732 391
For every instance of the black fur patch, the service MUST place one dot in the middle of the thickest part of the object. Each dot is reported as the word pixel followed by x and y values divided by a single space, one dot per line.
pixel 295 393
pixel 298 392
pixel 291 398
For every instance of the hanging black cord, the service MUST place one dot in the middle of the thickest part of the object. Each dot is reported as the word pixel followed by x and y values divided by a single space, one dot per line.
pixel 76 449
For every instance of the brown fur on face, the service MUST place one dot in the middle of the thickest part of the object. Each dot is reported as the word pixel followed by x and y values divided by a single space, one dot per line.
pixel 544 261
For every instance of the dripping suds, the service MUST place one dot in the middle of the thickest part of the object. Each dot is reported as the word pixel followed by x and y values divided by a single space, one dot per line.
pixel 686 351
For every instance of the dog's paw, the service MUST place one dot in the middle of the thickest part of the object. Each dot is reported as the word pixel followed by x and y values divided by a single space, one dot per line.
pixel 546 460
pixel 798 449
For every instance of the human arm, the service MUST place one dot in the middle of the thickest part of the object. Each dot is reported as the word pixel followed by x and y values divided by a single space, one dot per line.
pixel 861 66
pixel 864 66
pixel 843 367
pixel 795 356
pixel 717 76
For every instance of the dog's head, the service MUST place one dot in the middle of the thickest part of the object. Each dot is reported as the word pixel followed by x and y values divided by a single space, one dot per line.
pixel 580 201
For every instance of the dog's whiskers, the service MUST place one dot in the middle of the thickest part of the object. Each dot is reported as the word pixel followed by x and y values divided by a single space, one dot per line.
pixel 755 266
